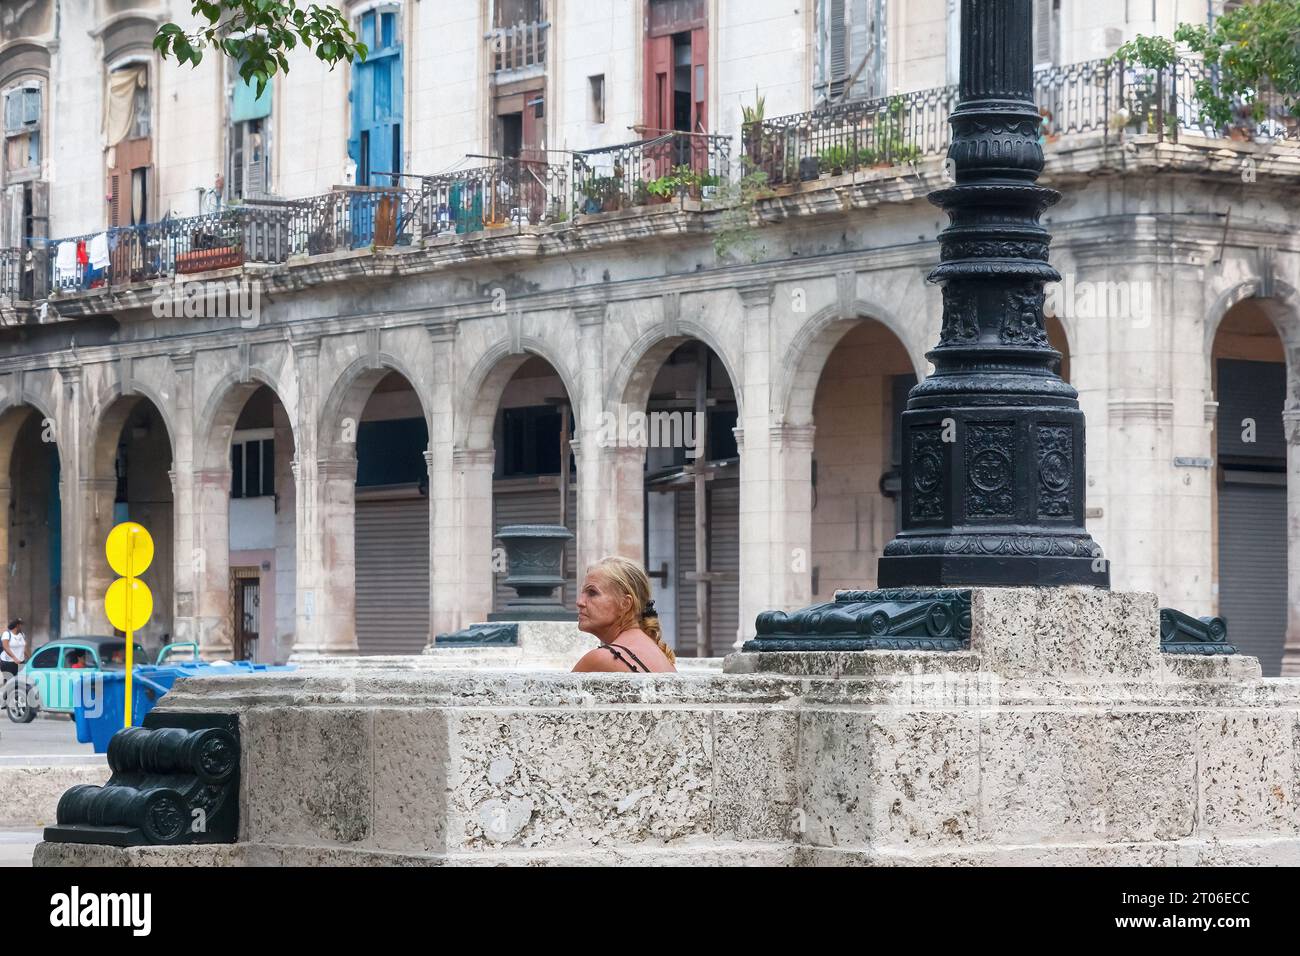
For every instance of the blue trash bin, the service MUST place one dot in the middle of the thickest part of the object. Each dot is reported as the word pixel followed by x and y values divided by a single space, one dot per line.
pixel 98 711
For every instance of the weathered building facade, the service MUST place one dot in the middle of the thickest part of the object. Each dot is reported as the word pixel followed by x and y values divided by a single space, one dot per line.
pixel 322 402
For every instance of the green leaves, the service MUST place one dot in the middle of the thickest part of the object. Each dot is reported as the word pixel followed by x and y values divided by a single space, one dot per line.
pixel 1255 50
pixel 258 35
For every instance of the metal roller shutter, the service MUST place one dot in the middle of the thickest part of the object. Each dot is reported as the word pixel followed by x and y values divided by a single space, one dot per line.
pixel 1252 569
pixel 392 595
pixel 724 556
pixel 535 506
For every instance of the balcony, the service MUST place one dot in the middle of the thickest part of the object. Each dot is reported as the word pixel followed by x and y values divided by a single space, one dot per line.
pixel 1094 96
pixel 518 49
pixel 650 172
pixel 11 274
pixel 510 192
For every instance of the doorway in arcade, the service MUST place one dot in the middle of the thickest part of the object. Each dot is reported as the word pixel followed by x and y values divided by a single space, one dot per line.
pixel 392 521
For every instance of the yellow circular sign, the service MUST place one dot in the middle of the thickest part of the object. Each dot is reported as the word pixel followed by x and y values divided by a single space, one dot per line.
pixel 129 549
pixel 141 604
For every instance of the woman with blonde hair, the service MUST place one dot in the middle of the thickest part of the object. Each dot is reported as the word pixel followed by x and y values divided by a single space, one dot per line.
pixel 614 604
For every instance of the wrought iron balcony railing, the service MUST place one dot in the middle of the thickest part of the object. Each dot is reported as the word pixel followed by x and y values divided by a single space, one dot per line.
pixel 145 252
pixel 1096 95
pixel 11 274
pixel 649 171
pixel 509 192
pixel 518 47
pixel 352 217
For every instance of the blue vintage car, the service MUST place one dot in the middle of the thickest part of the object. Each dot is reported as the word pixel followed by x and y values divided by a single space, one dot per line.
pixel 49 678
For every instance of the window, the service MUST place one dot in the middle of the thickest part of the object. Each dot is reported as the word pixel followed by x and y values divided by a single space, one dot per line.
pixel 851 49
pixel 22 128
pixel 596 104
pixel 530 441
pixel 47 657
pixel 1047 32
pixel 83 655
pixel 140 129
pixel 252 468
pixel 248 171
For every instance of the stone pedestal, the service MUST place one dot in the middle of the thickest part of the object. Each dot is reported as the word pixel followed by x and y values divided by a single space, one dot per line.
pixel 1061 735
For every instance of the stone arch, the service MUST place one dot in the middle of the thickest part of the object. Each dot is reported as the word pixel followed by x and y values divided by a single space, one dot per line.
pixel 109 411
pixel 487 381
pixel 216 423
pixel 1282 309
pixel 350 392
pixel 795 384
pixel 635 374
pixel 13 415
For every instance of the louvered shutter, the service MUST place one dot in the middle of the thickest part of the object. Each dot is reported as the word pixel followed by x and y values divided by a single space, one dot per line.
pixel 392 575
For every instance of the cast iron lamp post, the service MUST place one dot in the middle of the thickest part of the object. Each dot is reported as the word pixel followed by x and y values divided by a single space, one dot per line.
pixel 993 440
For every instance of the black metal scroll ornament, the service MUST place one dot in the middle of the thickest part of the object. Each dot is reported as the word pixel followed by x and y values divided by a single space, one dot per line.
pixel 175 781
pixel 993 462
pixel 1183 634
pixel 899 619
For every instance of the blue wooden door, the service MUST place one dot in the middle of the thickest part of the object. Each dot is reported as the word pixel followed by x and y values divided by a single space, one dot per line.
pixel 376 97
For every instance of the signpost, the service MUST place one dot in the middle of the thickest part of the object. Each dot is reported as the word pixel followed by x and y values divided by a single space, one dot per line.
pixel 129 603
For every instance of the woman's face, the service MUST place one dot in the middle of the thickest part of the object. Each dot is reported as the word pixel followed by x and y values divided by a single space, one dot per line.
pixel 601 605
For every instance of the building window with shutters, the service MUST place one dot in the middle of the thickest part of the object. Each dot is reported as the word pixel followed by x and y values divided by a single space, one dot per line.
pixel 1047 33
pixel 851 50
pixel 376 98
pixel 677 67
pixel 22 132
pixel 128 132
pixel 247 138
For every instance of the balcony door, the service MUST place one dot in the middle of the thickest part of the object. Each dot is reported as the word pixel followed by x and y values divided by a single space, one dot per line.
pixel 376 141
pixel 677 66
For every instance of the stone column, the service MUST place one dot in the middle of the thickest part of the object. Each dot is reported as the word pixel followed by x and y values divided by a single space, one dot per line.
pixel 327 584
pixel 189 557
pixel 209 562
pixel 775 521
pixel 472 530
pixel 97 496
pixel 1291 651
pixel 611 492
pixel 445 599
pixel 72 454
pixel 757 573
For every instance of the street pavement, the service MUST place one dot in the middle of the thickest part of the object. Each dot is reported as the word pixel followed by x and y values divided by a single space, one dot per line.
pixel 46 741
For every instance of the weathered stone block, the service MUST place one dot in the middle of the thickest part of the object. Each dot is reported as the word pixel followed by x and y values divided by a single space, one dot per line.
pixel 538 778
pixel 1043 777
pixel 1150 775
pixel 307 775
pixel 410 782
pixel 888 777
pixel 1247 773
pixel 755 766
pixel 1066 632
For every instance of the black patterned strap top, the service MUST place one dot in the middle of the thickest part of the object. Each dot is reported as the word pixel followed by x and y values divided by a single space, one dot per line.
pixel 615 650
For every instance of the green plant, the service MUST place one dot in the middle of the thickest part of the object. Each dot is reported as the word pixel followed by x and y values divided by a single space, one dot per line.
pixel 1250 51
pixel 736 228
pixel 834 158
pixel 258 35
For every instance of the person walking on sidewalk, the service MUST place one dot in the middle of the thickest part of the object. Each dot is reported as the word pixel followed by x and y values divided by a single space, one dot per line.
pixel 13 647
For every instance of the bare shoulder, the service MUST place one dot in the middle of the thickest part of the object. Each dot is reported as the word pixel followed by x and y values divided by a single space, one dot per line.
pixel 595 661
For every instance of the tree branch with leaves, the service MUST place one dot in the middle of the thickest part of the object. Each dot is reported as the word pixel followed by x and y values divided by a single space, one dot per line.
pixel 259 34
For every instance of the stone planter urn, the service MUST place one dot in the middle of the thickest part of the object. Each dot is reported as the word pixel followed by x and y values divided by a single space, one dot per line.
pixel 534 559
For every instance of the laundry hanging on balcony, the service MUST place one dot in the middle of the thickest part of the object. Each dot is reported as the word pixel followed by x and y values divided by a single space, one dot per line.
pixel 98 251
pixel 65 262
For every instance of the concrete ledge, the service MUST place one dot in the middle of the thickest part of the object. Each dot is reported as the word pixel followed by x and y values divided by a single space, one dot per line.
pixel 29 795
pixel 244 854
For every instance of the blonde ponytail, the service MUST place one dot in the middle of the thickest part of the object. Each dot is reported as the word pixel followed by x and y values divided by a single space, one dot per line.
pixel 630 578
pixel 650 624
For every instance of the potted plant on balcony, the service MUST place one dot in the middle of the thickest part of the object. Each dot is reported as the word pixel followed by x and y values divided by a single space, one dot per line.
pixel 833 160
